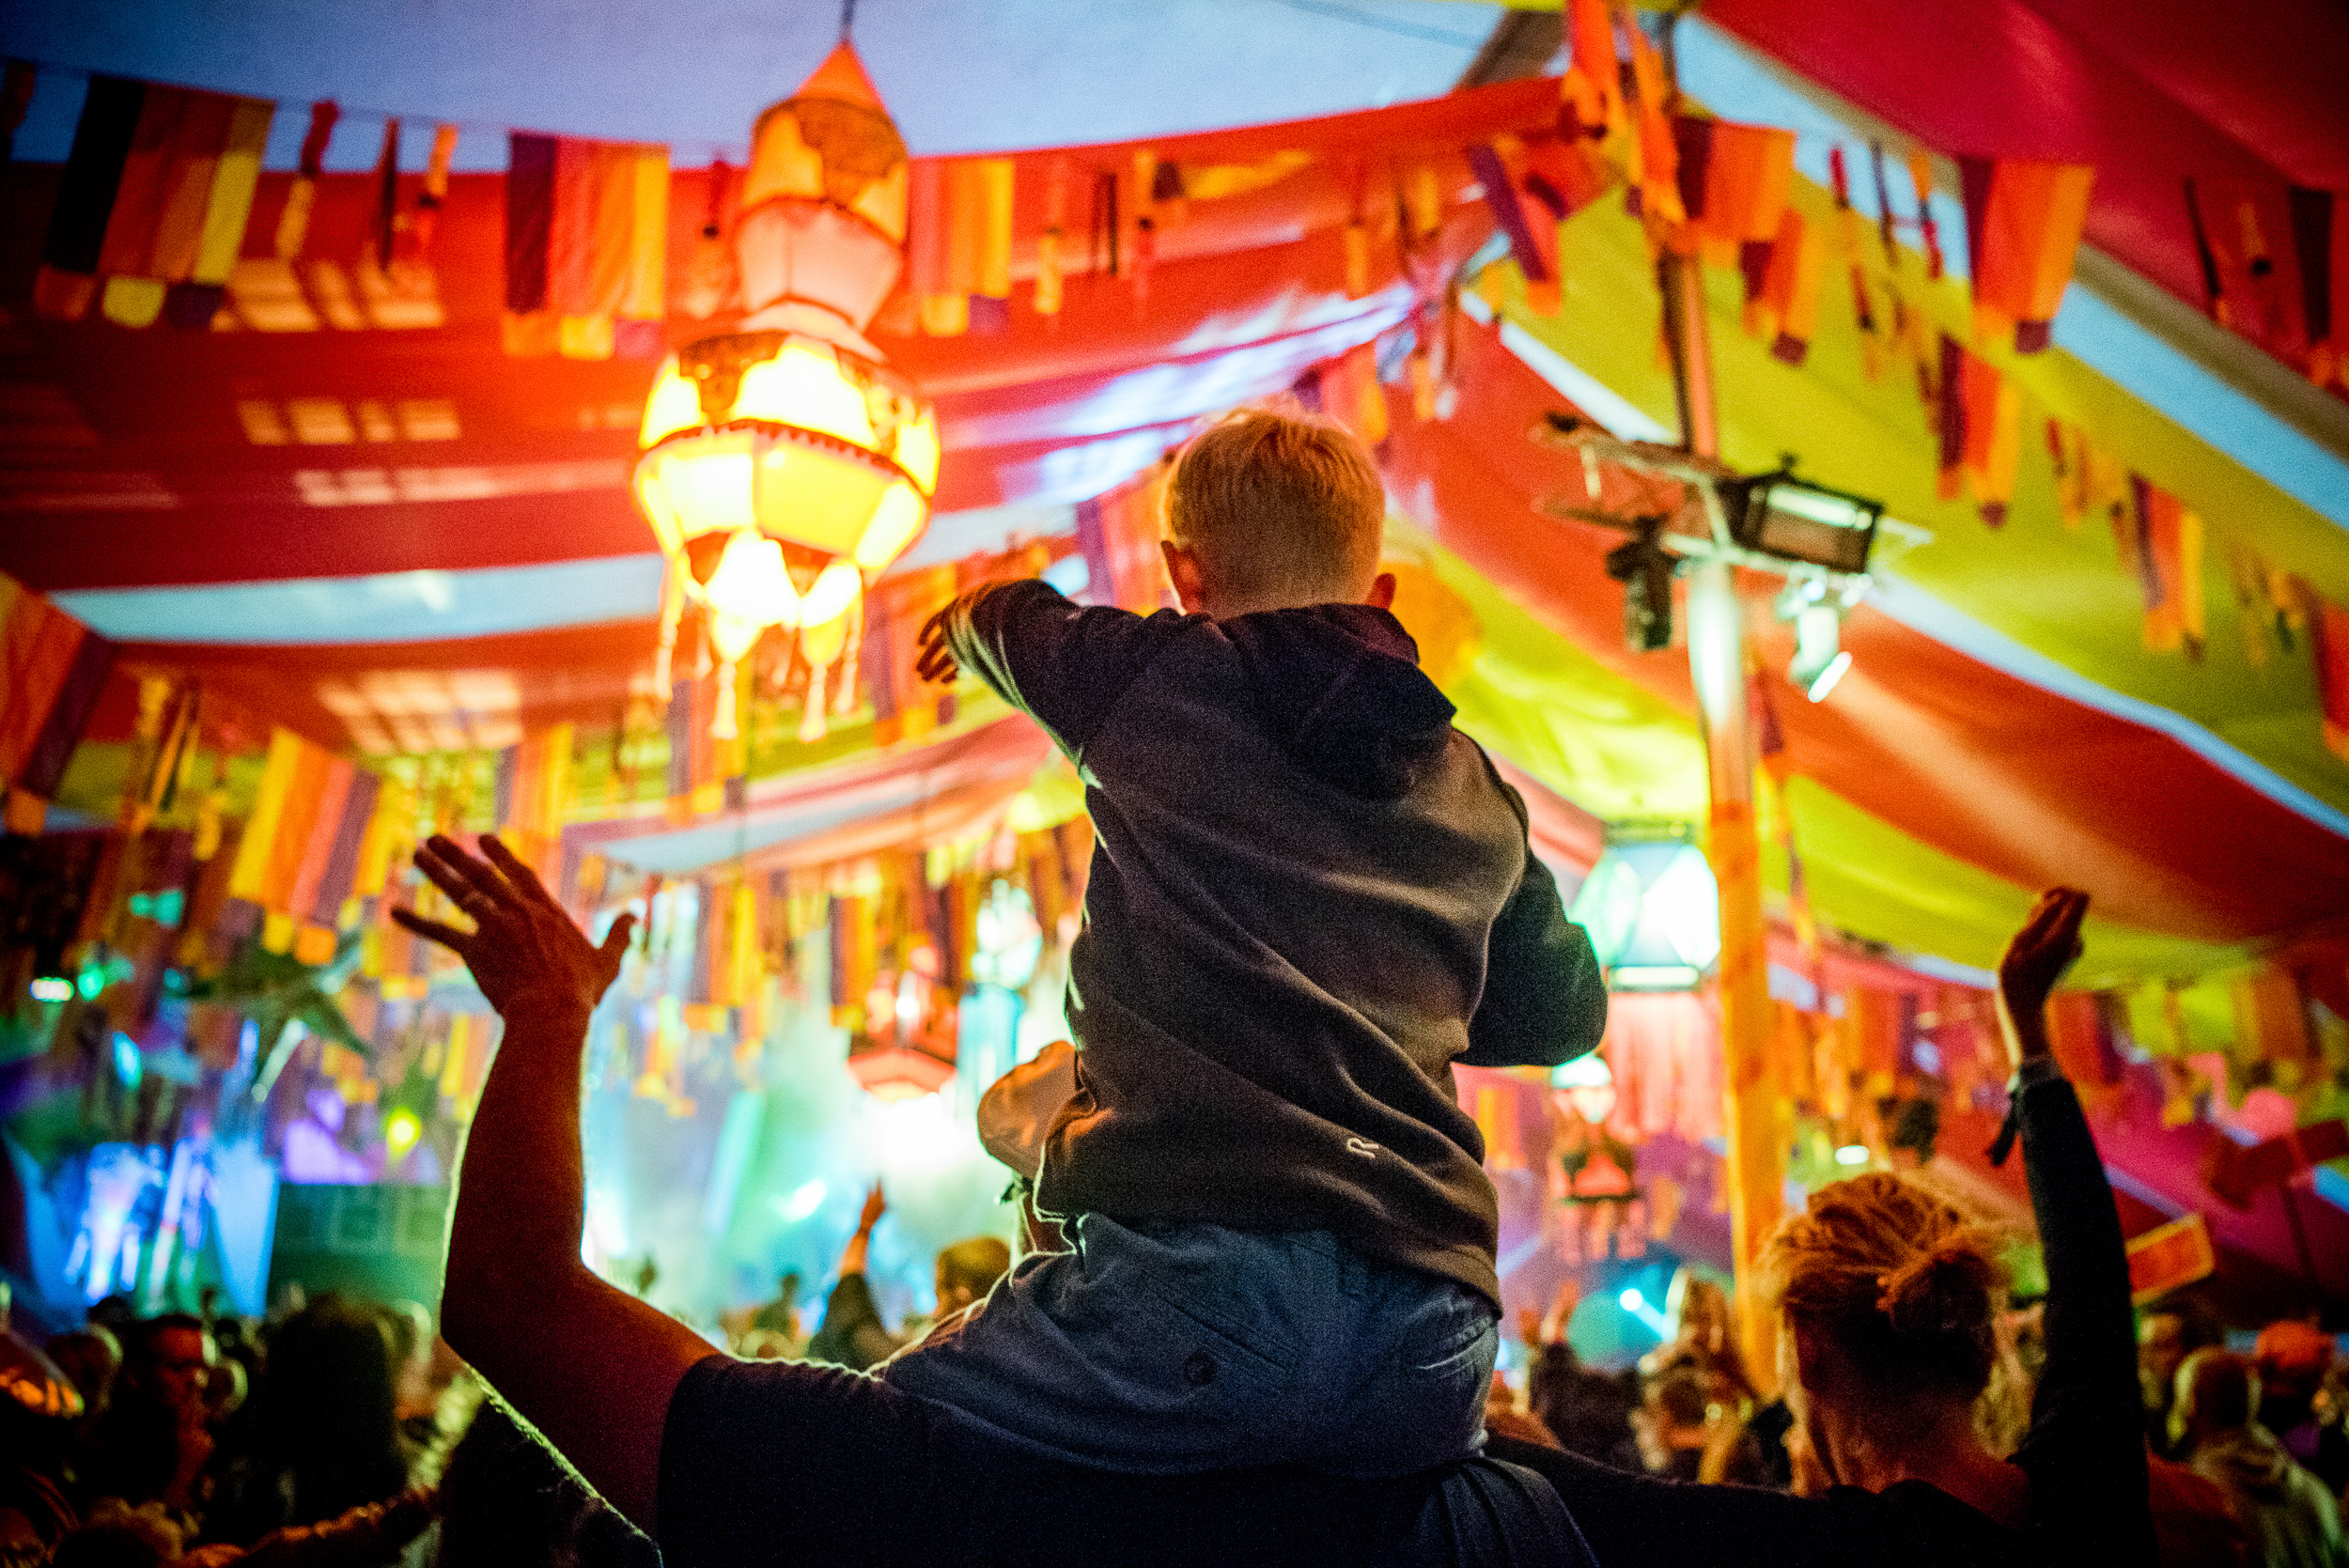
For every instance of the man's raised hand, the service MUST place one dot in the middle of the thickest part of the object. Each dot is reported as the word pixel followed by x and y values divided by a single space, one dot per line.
pixel 523 944
pixel 2035 959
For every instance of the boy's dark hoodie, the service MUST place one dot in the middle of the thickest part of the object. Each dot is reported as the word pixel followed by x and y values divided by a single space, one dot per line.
pixel 1310 896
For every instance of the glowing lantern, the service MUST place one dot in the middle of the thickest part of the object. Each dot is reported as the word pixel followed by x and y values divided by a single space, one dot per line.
pixel 1652 909
pixel 784 464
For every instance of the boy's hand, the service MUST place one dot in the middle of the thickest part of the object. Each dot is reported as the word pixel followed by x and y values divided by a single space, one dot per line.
pixel 524 943
pixel 937 663
pixel 2046 945
pixel 874 1207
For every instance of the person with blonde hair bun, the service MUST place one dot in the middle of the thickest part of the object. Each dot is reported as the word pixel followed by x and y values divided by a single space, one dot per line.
pixel 1889 1301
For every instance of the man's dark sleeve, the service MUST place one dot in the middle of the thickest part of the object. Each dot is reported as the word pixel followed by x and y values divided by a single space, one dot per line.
pixel 1064 665
pixel 1545 1000
pixel 2086 1449
pixel 770 1463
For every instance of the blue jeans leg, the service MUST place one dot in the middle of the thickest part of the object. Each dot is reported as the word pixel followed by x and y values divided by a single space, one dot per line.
pixel 1167 1349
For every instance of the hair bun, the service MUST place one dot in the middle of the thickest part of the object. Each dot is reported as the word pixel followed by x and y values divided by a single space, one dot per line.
pixel 1942 1292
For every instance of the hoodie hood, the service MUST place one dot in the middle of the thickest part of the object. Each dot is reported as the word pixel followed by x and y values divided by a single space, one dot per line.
pixel 1340 687
pixel 2249 1459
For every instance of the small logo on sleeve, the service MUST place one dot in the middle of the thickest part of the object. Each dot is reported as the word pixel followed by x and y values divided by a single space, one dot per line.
pixel 1361 1146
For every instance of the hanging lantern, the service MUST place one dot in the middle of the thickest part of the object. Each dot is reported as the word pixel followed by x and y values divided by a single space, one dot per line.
pixel 784 464
pixel 1652 909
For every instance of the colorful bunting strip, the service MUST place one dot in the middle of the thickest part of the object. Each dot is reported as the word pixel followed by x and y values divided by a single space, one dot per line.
pixel 958 243
pixel 586 247
pixel 153 209
pixel 314 828
pixel 533 792
pixel 56 669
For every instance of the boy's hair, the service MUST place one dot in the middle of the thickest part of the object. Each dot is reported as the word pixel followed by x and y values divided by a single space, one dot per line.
pixel 1278 507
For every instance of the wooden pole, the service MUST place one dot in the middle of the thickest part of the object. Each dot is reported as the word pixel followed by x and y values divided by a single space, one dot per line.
pixel 1756 1163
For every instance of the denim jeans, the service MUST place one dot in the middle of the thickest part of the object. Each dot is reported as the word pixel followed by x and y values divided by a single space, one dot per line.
pixel 1168 1349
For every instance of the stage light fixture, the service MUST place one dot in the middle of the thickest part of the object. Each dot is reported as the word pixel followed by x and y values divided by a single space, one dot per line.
pixel 1779 514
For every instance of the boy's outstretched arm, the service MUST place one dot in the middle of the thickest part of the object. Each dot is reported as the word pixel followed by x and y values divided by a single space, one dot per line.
pixel 1062 664
pixel 588 1365
pixel 1544 997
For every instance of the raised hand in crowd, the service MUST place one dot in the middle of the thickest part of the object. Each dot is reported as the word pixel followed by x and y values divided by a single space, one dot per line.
pixel 523 945
pixel 2048 944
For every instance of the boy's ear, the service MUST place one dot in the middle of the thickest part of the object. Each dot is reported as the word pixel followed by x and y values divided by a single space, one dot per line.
pixel 1382 595
pixel 1182 570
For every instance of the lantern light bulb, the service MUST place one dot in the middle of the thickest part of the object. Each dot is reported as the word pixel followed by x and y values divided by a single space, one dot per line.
pixel 752 584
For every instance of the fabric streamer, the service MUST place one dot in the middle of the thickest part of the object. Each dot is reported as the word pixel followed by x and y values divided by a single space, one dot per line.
pixel 2023 223
pixel 1789 292
pixel 68 279
pixel 56 669
pixel 2169 545
pixel 1045 300
pixel 1592 88
pixel 383 220
pixel 16 100
pixel 2331 626
pixel 586 247
pixel 943 310
pixel 1733 181
pixel 1119 532
pixel 1530 188
pixel 179 208
pixel 2320 241
pixel 1928 230
pixel 293 224
pixel 1350 393
pixel 1656 181
pixel 1980 424
pixel 1847 242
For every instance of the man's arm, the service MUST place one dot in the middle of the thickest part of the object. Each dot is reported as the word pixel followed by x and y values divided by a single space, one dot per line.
pixel 1545 1000
pixel 2086 1448
pixel 588 1365
pixel 1064 665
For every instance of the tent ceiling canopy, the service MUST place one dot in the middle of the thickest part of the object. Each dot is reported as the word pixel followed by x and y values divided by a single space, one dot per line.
pixel 2152 96
pixel 958 75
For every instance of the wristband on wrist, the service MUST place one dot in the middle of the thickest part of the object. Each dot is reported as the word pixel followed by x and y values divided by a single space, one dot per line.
pixel 2035 1069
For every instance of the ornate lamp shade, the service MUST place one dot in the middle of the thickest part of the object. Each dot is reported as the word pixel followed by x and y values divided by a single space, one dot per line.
pixel 1652 909
pixel 784 465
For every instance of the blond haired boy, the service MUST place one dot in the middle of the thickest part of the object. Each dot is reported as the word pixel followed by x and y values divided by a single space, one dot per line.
pixel 1311 897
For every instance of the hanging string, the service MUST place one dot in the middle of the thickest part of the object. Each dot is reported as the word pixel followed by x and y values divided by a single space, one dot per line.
pixel 847 18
